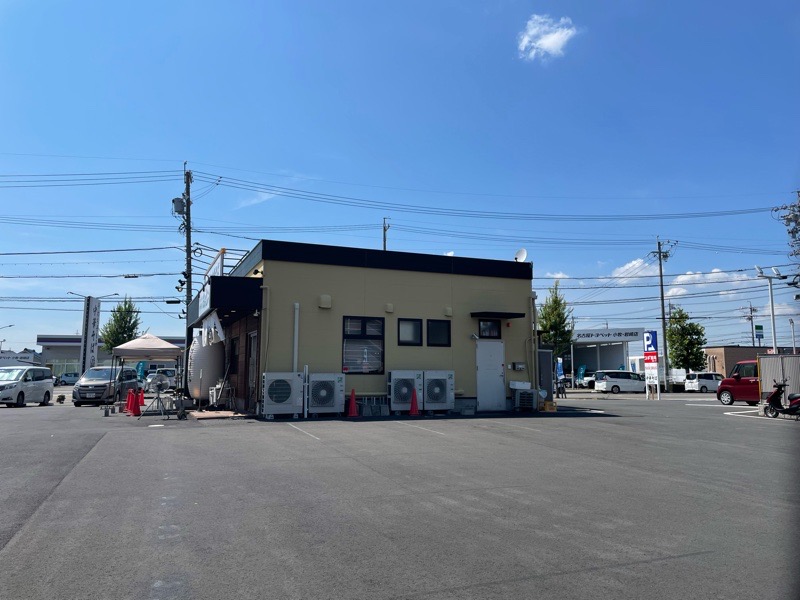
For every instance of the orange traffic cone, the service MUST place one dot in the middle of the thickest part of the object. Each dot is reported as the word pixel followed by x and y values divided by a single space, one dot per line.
pixel 128 402
pixel 135 409
pixel 352 410
pixel 141 397
pixel 414 412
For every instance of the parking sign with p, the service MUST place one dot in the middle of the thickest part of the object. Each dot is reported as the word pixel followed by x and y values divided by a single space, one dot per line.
pixel 650 341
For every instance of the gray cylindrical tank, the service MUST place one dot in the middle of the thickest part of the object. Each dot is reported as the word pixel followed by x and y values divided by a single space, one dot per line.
pixel 206 366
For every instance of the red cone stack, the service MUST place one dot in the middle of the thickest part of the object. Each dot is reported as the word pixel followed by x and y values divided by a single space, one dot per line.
pixel 414 412
pixel 141 397
pixel 352 409
pixel 128 402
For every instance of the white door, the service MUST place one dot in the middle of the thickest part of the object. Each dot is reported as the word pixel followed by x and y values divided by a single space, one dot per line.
pixel 490 362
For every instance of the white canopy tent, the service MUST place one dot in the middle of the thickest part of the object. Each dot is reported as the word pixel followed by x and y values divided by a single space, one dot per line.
pixel 147 346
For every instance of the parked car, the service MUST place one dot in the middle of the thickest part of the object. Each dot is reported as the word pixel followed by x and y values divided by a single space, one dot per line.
pixel 22 384
pixel 104 385
pixel 619 381
pixel 588 380
pixel 68 378
pixel 147 381
pixel 742 385
pixel 702 382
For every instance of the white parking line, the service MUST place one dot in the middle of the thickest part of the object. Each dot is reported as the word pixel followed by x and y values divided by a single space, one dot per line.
pixel 301 431
pixel 515 425
pixel 743 413
pixel 418 427
pixel 694 404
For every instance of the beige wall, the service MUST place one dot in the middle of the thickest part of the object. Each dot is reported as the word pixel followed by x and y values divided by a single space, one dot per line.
pixel 366 292
pixel 723 359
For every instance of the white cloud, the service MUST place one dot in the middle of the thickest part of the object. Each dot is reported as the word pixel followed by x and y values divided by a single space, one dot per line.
pixel 450 253
pixel 700 281
pixel 558 275
pixel 544 37
pixel 257 199
pixel 628 272
pixel 781 310
pixel 676 291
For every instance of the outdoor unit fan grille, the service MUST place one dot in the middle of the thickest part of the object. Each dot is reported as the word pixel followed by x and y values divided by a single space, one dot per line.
pixel 279 391
pixel 402 389
pixel 323 393
pixel 436 391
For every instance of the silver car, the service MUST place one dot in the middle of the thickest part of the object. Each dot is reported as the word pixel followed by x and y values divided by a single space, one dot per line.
pixel 104 385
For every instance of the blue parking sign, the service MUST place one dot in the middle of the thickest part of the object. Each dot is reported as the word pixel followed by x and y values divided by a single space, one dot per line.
pixel 650 341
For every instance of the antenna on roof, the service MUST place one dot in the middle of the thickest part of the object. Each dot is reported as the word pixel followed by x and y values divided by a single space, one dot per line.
pixel 521 255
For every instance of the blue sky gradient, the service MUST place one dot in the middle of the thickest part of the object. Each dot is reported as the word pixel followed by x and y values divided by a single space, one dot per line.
pixel 631 108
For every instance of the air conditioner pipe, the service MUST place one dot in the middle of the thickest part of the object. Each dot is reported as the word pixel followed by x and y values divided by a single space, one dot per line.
pixel 295 341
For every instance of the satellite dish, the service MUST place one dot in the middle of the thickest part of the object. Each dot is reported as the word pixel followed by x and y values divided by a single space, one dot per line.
pixel 521 255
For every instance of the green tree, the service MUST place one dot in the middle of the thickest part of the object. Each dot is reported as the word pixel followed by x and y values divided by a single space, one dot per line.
pixel 554 321
pixel 685 340
pixel 122 326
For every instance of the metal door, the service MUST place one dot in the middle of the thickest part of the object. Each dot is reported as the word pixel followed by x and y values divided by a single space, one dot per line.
pixel 490 362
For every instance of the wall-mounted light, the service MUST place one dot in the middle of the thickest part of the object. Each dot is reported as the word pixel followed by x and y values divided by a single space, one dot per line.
pixel 257 272
pixel 474 336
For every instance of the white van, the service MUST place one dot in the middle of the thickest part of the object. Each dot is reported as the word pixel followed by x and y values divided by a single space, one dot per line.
pixel 20 385
pixel 618 381
pixel 703 382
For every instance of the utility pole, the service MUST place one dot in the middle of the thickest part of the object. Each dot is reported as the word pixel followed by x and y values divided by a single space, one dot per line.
pixel 749 308
pixel 385 229
pixel 662 256
pixel 187 224
pixel 182 207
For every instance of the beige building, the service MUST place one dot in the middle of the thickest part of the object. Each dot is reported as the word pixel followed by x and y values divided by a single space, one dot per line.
pixel 364 313
pixel 721 359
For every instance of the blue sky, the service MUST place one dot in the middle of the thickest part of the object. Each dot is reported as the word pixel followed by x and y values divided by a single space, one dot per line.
pixel 537 111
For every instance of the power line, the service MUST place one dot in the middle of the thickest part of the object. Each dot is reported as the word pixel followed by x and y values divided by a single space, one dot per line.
pixel 384 206
pixel 119 275
pixel 489 194
pixel 52 252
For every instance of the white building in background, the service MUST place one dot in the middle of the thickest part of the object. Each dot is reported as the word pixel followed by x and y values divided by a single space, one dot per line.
pixel 9 358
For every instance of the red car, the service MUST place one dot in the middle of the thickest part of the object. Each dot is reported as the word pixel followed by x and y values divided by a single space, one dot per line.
pixel 741 385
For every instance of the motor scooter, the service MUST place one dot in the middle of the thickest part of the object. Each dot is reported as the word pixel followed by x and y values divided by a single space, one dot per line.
pixel 775 407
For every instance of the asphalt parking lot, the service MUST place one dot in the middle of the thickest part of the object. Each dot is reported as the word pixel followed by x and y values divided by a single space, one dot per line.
pixel 611 497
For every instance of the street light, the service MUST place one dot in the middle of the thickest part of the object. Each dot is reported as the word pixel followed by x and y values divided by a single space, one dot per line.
pixel 6 326
pixel 95 297
pixel 769 278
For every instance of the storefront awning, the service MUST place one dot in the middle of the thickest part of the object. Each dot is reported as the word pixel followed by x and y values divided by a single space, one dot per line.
pixel 231 297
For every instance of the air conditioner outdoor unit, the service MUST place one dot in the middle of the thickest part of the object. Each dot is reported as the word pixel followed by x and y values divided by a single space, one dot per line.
pixel 325 393
pixel 401 385
pixel 282 394
pixel 440 390
pixel 525 400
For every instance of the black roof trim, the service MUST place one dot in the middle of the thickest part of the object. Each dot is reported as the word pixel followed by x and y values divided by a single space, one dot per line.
pixel 380 259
